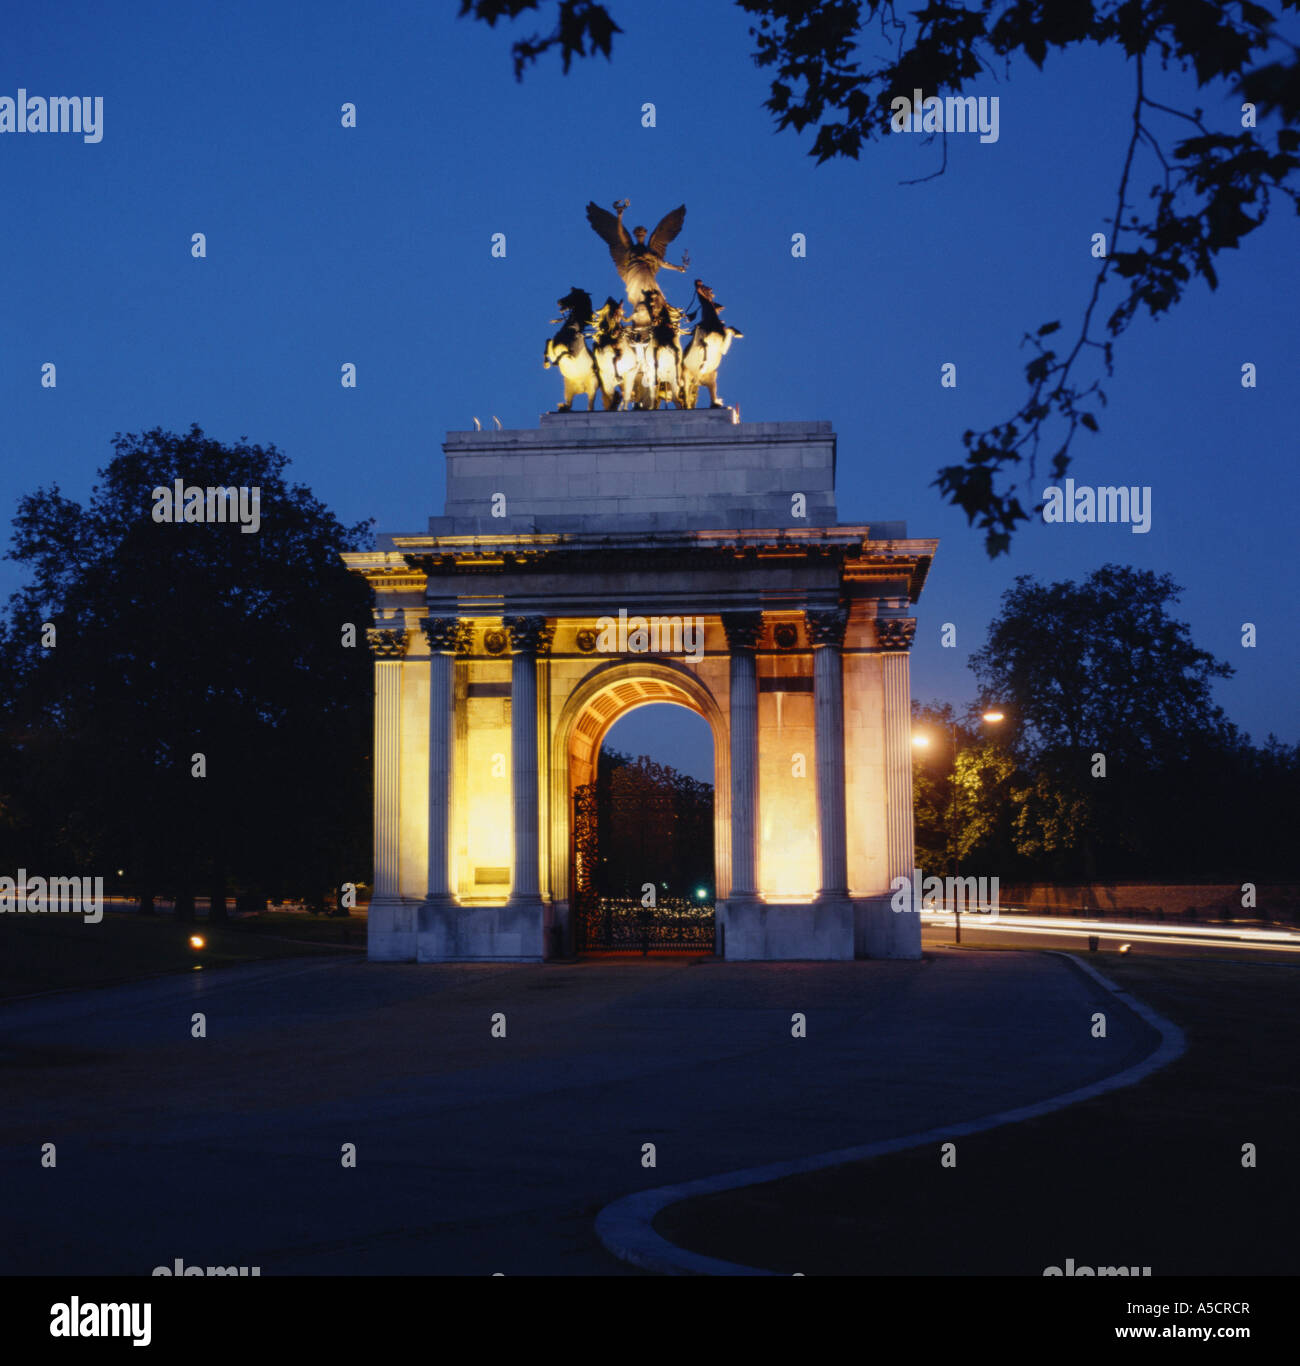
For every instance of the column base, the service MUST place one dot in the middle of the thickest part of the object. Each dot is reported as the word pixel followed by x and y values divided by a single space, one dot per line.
pixel 514 933
pixel 879 931
pixel 525 903
pixel 763 931
pixel 391 930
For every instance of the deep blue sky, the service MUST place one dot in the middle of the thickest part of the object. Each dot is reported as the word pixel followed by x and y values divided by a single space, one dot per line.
pixel 372 245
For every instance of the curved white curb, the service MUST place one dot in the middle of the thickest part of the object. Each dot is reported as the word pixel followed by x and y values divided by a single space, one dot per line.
pixel 626 1229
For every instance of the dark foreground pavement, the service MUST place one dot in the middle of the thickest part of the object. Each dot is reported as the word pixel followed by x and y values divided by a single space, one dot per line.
pixel 1152 1175
pixel 477 1154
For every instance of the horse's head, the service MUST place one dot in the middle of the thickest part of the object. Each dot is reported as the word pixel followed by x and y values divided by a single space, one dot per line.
pixel 577 301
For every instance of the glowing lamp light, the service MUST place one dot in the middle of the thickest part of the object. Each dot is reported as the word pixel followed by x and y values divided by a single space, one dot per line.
pixel 197 941
pixel 701 892
pixel 994 716
pixel 921 741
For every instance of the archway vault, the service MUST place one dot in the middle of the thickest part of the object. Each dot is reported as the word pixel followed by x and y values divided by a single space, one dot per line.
pixel 606 694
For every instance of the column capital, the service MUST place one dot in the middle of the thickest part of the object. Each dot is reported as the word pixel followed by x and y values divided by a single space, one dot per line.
pixel 827 627
pixel 529 635
pixel 743 630
pixel 446 635
pixel 386 644
pixel 895 633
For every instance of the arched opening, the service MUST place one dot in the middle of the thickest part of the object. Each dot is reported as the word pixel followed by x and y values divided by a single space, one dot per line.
pixel 669 801
pixel 643 875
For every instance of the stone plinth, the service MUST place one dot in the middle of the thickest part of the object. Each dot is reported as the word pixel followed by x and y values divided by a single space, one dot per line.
pixel 760 930
pixel 879 931
pixel 472 934
pixel 668 470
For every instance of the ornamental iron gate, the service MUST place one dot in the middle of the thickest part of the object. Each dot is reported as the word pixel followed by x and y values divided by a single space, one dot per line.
pixel 642 823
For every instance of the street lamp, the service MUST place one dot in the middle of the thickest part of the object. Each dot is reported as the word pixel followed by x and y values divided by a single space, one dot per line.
pixel 922 741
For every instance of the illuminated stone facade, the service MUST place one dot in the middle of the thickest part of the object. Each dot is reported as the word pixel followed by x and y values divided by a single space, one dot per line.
pixel 497 675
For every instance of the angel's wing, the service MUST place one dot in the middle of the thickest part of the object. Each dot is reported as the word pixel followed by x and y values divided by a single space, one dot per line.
pixel 669 226
pixel 614 233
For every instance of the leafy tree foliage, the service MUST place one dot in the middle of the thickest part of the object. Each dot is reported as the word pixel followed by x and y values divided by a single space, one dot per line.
pixel 1209 186
pixel 656 825
pixel 582 28
pixel 1101 667
pixel 177 640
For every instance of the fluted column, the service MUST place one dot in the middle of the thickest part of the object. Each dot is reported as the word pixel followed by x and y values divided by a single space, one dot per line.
pixel 894 635
pixel 445 636
pixel 529 638
pixel 826 630
pixel 387 647
pixel 743 630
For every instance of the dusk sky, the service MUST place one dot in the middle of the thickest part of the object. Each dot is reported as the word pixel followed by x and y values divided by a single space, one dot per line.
pixel 372 245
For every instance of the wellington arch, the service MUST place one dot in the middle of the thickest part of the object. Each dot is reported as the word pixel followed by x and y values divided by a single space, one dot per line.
pixel 601 562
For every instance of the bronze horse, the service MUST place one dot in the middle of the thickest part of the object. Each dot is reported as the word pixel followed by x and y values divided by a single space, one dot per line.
pixel 568 350
pixel 710 341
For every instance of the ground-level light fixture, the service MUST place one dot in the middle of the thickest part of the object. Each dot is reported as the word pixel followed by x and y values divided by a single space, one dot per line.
pixel 701 892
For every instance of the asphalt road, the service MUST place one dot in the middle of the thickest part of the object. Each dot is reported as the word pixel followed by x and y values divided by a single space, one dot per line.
pixel 477 1154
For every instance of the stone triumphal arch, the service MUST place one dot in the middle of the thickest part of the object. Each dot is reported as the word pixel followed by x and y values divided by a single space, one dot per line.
pixel 601 562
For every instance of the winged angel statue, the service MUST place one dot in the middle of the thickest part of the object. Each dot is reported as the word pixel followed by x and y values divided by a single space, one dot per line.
pixel 639 261
pixel 639 360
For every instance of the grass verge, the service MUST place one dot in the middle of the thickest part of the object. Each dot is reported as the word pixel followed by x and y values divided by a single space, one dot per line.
pixel 60 951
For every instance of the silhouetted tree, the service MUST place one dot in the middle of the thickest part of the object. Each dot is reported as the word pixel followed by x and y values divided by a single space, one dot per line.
pixel 1101 671
pixel 173 641
pixel 656 825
